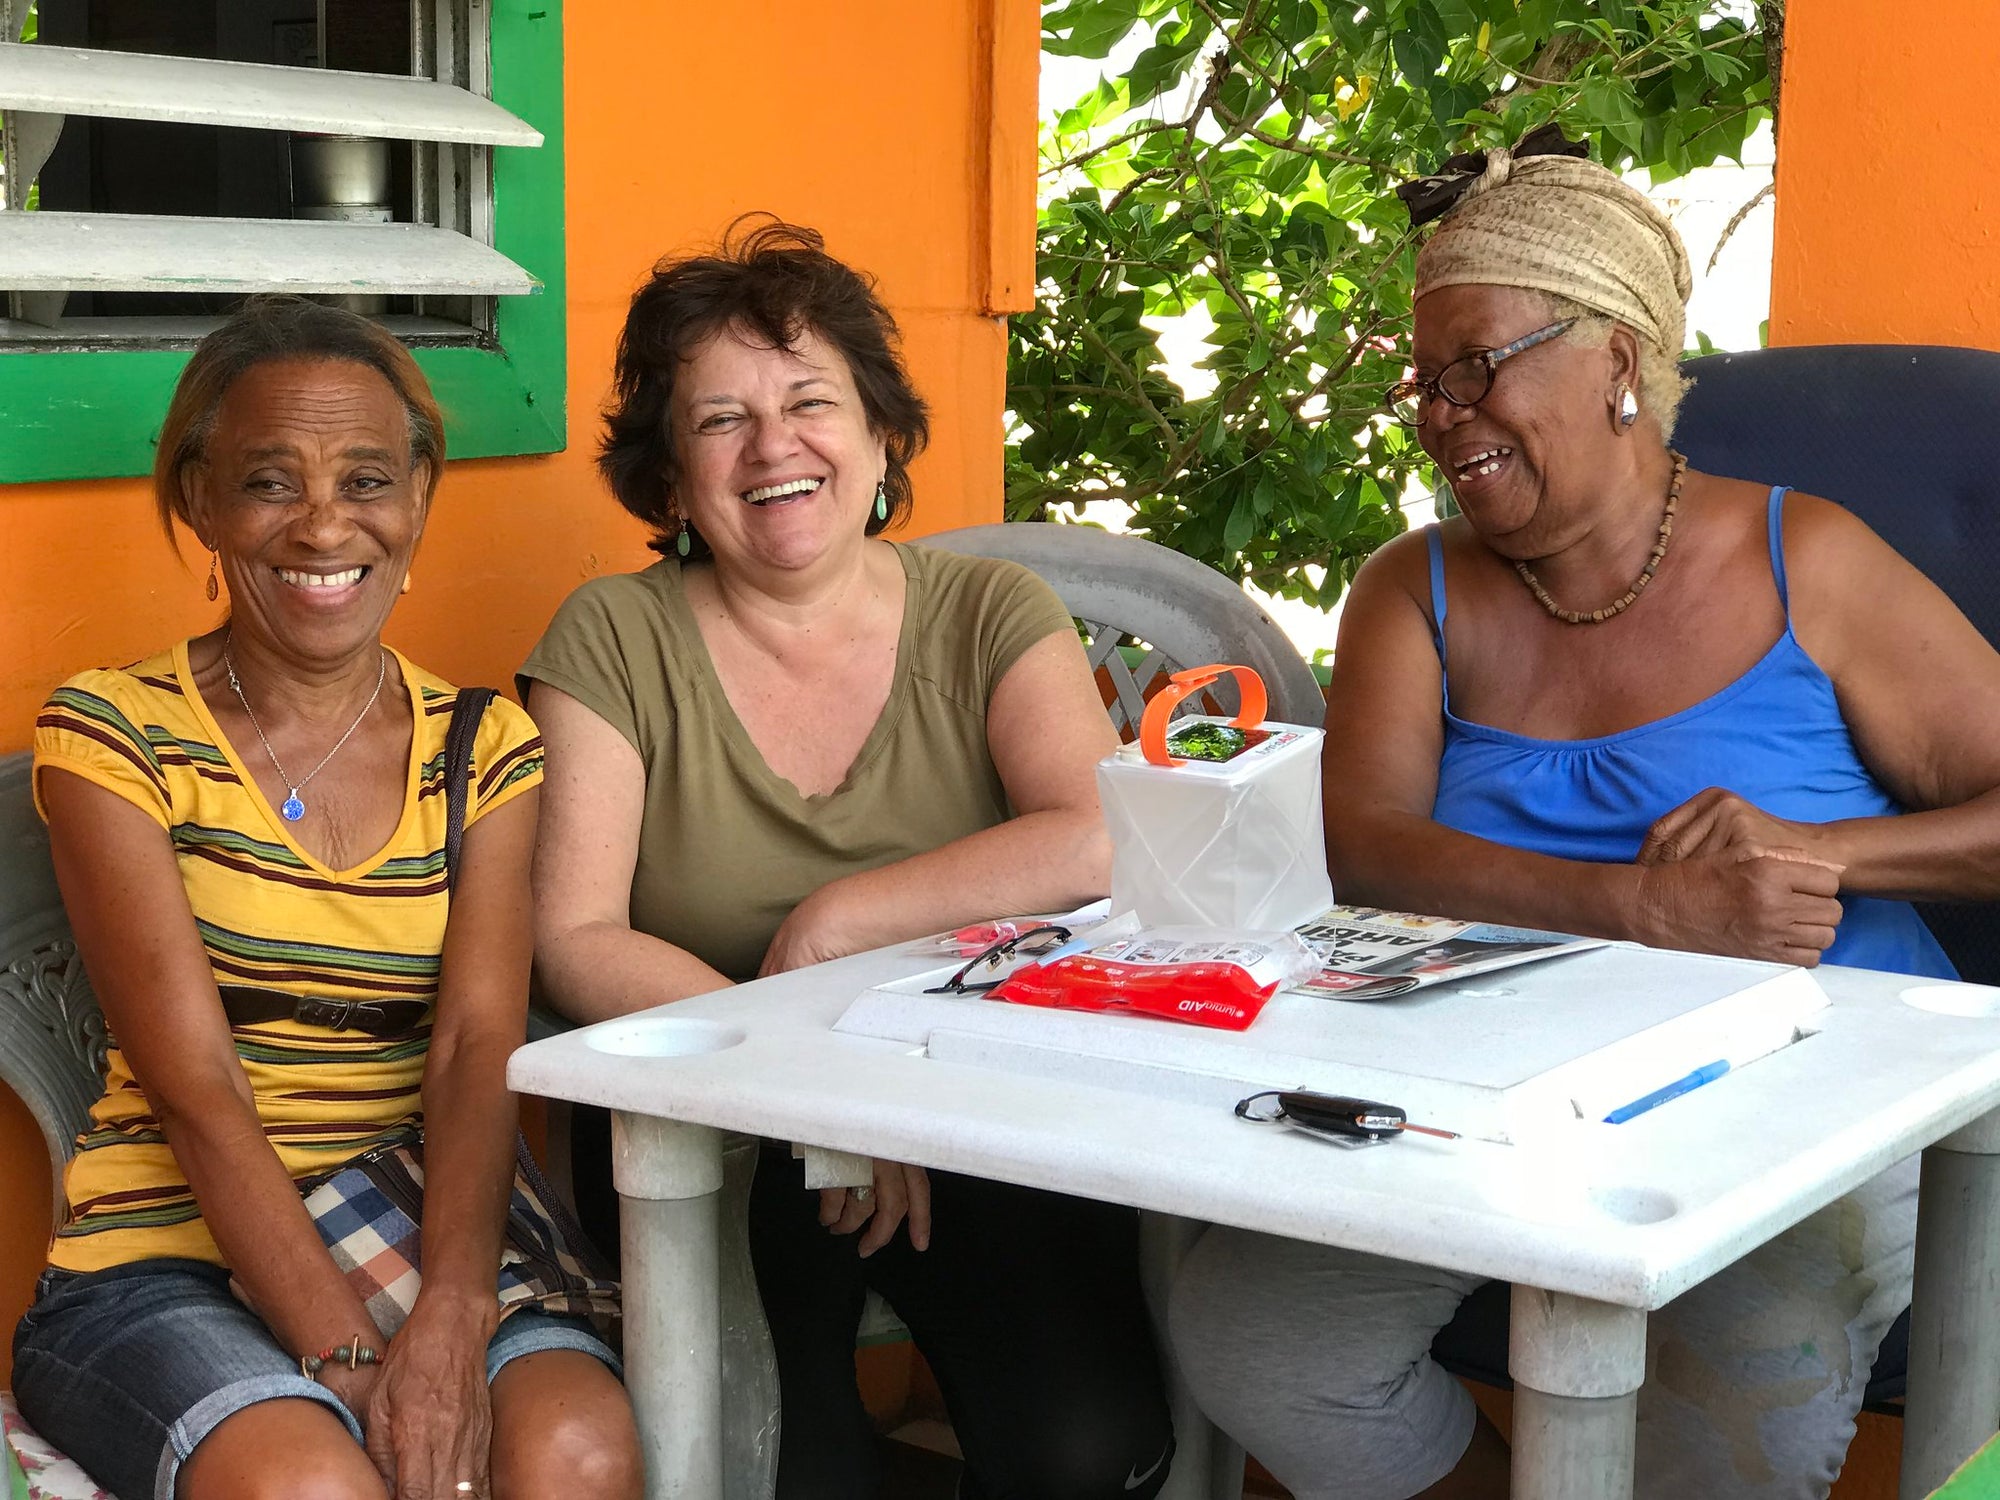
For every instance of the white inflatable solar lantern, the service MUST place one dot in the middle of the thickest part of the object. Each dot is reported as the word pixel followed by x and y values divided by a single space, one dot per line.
pixel 1215 822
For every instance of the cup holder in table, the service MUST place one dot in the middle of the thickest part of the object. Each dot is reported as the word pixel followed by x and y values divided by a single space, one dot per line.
pixel 1573 1173
pixel 1975 1002
pixel 1633 1205
pixel 662 1036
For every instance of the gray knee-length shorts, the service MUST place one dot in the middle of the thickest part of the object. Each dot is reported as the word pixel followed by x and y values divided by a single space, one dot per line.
pixel 1317 1360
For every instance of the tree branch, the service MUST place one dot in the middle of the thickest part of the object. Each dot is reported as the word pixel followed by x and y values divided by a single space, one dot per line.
pixel 1736 220
pixel 1138 390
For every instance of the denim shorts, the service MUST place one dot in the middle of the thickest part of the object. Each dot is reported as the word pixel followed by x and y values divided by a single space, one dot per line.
pixel 126 1370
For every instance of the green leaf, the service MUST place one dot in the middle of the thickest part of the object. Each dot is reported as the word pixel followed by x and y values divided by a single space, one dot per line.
pixel 1451 101
pixel 1242 525
pixel 1092 27
pixel 1420 44
pixel 1287 174
pixel 1161 68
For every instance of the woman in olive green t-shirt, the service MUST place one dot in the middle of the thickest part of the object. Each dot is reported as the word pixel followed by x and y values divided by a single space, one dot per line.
pixel 788 741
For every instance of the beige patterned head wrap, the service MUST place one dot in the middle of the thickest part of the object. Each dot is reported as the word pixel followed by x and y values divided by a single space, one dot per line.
pixel 1566 226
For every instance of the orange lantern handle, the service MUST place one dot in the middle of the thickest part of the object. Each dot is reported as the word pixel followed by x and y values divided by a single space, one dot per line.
pixel 1153 726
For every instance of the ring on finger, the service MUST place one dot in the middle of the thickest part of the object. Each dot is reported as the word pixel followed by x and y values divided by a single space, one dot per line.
pixel 861 1194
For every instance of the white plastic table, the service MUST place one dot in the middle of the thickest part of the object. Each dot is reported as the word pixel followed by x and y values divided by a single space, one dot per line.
pixel 1593 1233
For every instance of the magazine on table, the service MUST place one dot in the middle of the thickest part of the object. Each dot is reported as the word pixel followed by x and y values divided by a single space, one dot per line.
pixel 1369 954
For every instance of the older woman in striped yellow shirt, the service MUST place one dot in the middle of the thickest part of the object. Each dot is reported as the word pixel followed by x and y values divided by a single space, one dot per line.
pixel 249 831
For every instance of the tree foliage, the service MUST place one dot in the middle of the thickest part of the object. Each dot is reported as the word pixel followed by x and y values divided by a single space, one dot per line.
pixel 1243 164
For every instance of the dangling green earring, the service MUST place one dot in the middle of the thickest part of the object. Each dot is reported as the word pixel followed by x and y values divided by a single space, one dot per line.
pixel 684 543
pixel 882 501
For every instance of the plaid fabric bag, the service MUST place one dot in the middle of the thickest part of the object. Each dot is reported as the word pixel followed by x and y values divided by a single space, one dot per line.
pixel 370 1213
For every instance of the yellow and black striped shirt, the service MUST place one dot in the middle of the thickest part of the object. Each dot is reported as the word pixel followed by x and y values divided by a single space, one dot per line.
pixel 272 916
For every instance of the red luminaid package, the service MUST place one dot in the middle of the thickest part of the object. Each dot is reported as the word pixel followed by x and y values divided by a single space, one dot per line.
pixel 1223 995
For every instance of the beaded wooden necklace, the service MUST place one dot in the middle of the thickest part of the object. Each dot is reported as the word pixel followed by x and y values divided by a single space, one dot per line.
pixel 1619 605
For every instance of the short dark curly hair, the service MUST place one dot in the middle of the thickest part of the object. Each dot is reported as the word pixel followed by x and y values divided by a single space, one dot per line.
pixel 774 282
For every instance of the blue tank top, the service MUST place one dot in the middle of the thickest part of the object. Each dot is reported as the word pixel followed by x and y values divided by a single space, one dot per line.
pixel 1774 736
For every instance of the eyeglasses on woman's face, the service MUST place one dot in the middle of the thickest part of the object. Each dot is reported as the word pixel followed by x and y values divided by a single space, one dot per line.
pixel 1464 382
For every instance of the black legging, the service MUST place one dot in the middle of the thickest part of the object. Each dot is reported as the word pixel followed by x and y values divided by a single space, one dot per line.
pixel 1026 1306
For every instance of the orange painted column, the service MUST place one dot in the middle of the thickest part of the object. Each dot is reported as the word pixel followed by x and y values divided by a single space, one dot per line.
pixel 905 134
pixel 1888 227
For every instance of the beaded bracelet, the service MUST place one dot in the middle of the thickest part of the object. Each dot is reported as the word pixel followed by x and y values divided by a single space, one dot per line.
pixel 354 1354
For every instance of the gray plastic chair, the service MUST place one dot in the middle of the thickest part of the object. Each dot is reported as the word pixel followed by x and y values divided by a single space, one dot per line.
pixel 1127 591
pixel 52 1038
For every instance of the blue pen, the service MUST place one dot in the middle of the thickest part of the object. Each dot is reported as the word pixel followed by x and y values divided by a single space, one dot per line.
pixel 1706 1073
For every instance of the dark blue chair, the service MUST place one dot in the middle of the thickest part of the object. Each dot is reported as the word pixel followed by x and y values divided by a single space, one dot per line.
pixel 1904 437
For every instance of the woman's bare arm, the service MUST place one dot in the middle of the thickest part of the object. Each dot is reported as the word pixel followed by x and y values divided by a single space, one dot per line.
pixel 591 962
pixel 1046 729
pixel 123 892
pixel 1920 690
pixel 1384 740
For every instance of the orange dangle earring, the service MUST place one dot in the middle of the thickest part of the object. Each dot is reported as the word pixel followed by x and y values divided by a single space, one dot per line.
pixel 214 587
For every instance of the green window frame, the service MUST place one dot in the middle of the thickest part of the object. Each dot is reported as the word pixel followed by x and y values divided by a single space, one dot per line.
pixel 95 414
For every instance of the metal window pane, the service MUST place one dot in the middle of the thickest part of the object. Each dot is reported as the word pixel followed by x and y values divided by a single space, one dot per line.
pixel 256 96
pixel 156 253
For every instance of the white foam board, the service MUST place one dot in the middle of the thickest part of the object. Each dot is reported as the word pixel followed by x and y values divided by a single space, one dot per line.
pixel 1500 1057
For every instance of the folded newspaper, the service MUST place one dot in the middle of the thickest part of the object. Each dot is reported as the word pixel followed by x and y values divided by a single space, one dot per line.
pixel 1366 954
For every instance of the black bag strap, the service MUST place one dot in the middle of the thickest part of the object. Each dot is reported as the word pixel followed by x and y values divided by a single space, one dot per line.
pixel 466 712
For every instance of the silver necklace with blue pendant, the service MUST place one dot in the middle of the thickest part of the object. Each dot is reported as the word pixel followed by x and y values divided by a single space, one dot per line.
pixel 294 807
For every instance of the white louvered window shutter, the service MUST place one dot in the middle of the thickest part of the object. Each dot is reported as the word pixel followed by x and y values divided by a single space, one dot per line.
pixel 416 247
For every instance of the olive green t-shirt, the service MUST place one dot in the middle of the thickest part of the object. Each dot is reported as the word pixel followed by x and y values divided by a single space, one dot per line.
pixel 728 847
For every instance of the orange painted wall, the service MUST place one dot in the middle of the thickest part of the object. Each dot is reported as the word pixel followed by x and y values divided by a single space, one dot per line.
pixel 1887 230
pixel 903 129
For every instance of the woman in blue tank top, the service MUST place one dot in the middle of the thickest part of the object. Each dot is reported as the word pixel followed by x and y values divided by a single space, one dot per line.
pixel 1772 740
pixel 1622 698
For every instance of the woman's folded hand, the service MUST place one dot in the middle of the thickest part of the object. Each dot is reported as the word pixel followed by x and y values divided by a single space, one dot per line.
pixel 1776 904
pixel 900 1192
pixel 1717 821
pixel 430 1420
pixel 1720 875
